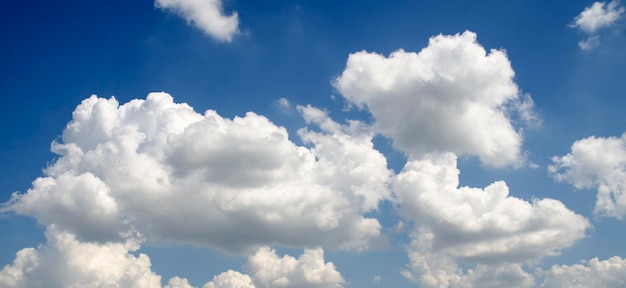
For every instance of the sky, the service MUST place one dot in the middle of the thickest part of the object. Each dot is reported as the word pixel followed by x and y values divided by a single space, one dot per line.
pixel 241 143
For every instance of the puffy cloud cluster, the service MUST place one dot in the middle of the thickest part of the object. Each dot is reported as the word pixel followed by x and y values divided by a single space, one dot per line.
pixel 66 262
pixel 175 175
pixel 484 225
pixel 610 273
pixel 452 96
pixel 599 163
pixel 436 270
pixel 268 270
pixel 206 15
pixel 595 17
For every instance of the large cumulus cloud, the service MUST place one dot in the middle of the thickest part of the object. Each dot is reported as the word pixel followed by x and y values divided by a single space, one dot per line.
pixel 175 175
pixel 452 96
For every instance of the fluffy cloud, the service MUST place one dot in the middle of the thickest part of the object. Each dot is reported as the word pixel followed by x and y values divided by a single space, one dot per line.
pixel 452 96
pixel 206 15
pixel 269 270
pixel 595 17
pixel 436 270
pixel 230 279
pixel 153 165
pixel 593 273
pixel 485 225
pixel 598 15
pixel 599 163
pixel 67 262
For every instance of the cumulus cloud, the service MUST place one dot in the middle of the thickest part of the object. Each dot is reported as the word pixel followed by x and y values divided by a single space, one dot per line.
pixel 453 96
pixel 597 163
pixel 206 15
pixel 153 165
pixel 610 273
pixel 268 270
pixel 436 270
pixel 485 225
pixel 66 262
pixel 595 17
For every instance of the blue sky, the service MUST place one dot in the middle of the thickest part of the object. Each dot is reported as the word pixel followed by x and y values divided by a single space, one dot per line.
pixel 402 144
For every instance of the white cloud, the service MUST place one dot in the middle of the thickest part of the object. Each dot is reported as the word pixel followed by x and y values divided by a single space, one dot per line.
pixel 597 16
pixel 436 270
pixel 153 165
pixel 230 279
pixel 309 270
pixel 67 262
pixel 452 96
pixel 610 273
pixel 268 270
pixel 206 15
pixel 177 282
pixel 484 225
pixel 599 163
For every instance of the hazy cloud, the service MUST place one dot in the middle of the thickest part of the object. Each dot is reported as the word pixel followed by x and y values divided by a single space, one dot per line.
pixel 206 15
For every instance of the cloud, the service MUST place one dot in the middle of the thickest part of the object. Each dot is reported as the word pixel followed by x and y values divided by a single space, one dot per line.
pixel 598 15
pixel 66 262
pixel 593 273
pixel 452 96
pixel 152 165
pixel 268 270
pixel 484 225
pixel 206 15
pixel 432 270
pixel 598 163
pixel 595 17
pixel 230 279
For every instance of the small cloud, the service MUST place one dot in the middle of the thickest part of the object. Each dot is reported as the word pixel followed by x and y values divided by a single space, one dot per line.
pixel 283 103
pixel 595 17
pixel 598 15
pixel 377 279
pixel 206 15
pixel 591 42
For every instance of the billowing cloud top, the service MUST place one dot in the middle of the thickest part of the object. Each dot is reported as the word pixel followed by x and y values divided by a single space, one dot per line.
pixel 175 175
pixel 206 15
pixel 452 96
